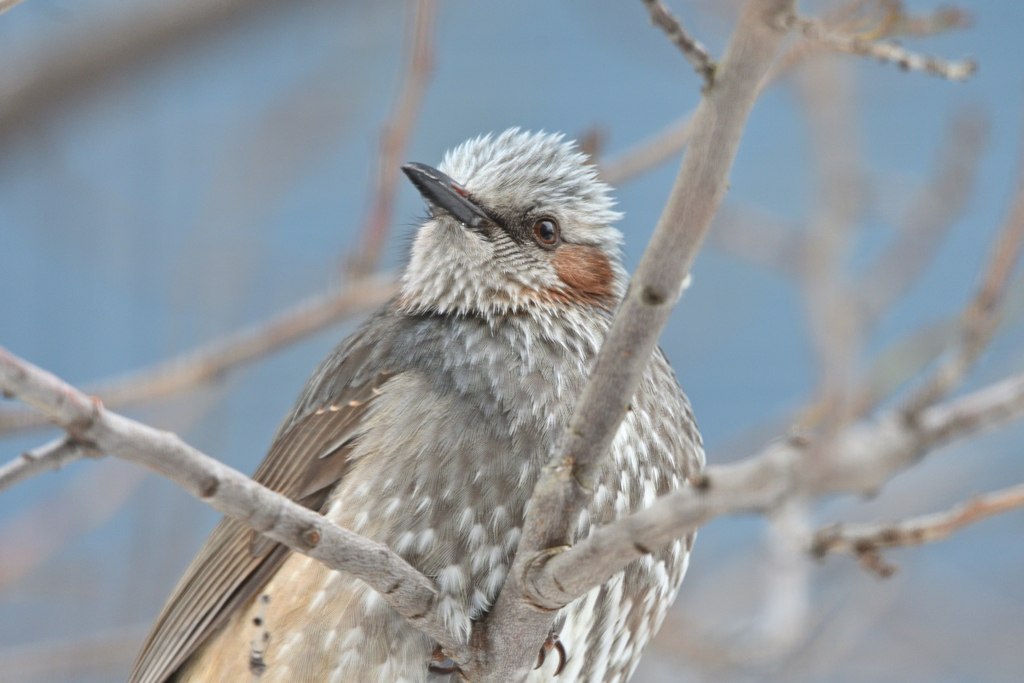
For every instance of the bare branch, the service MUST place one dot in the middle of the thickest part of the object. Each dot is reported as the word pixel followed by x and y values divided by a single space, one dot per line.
pixel 901 361
pixel 515 622
pixel 664 145
pixel 394 137
pixel 229 492
pixel 107 40
pixel 938 206
pixel 827 92
pixel 695 53
pixel 212 360
pixel 40 531
pixel 758 237
pixel 783 621
pixel 866 541
pixel 656 284
pixel 46 458
pixel 858 460
pixel 647 154
pixel 981 318
pixel 817 30
pixel 8 4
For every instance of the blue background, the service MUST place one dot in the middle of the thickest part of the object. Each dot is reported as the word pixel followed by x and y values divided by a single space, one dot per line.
pixel 208 178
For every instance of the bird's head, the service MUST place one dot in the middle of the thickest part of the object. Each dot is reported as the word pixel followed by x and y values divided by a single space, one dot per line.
pixel 518 223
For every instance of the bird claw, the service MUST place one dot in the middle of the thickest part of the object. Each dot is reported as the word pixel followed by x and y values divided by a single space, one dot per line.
pixel 552 643
pixel 442 667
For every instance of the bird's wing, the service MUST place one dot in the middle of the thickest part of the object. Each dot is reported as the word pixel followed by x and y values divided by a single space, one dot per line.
pixel 305 460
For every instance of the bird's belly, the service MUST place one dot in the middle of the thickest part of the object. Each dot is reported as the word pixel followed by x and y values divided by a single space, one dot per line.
pixel 449 496
pixel 319 626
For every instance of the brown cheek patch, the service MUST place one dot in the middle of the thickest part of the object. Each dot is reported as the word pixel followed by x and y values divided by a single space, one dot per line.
pixel 586 272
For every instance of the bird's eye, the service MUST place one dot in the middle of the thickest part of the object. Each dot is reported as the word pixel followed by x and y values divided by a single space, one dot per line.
pixel 546 231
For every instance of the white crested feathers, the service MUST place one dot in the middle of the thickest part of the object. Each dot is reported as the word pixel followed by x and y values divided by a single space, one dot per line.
pixel 519 176
pixel 520 168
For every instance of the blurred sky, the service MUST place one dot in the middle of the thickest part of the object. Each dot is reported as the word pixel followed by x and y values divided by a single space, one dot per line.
pixel 214 177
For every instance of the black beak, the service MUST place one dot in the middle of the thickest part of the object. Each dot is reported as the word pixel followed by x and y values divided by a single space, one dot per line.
pixel 444 194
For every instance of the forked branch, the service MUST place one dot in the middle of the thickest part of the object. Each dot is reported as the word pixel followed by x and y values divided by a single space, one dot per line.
pixel 866 541
pixel 858 460
pixel 229 492
pixel 515 626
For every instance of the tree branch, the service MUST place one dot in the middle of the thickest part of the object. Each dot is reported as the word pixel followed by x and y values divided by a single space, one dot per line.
pixel 394 136
pixel 817 30
pixel 228 491
pixel 866 541
pixel 211 360
pixel 858 460
pixel 981 317
pixel 516 626
pixel 46 458
pixel 105 40
pixel 8 4
pixel 758 237
pixel 934 211
pixel 663 145
pixel 826 91
pixel 695 53
pixel 649 153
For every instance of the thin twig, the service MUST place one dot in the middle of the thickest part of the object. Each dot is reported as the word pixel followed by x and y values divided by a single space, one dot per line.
pixel 817 30
pixel 41 530
pixel 827 93
pixel 757 236
pixel 654 151
pixel 982 315
pixel 934 211
pixel 866 541
pixel 46 458
pixel 213 359
pixel 230 492
pixel 695 53
pixel 394 137
pixel 662 146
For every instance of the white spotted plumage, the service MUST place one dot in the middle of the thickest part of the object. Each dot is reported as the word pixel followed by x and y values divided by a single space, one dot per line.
pixel 484 352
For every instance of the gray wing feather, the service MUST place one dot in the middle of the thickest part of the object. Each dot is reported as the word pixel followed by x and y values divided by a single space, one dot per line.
pixel 308 457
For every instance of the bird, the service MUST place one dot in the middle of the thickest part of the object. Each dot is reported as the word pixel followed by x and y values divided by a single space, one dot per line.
pixel 426 430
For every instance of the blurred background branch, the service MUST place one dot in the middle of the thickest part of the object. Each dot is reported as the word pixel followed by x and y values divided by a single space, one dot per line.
pixel 394 137
pixel 111 114
pixel 212 360
pixel 113 39
pixel 866 541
